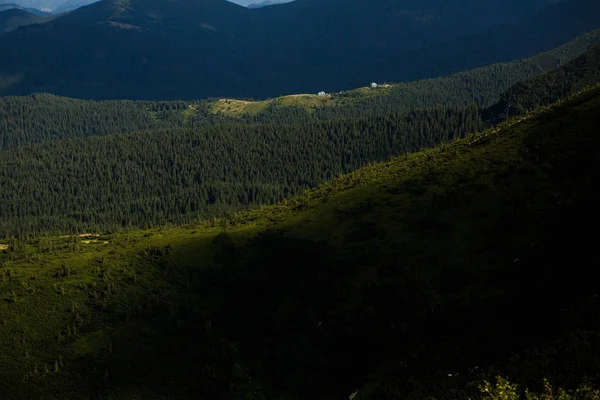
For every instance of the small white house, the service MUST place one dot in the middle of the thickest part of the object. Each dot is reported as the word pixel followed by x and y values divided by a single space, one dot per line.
pixel 321 94
pixel 374 85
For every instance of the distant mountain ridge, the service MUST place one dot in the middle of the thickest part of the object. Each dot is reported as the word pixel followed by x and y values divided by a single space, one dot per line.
pixel 71 5
pixel 553 25
pixel 53 6
pixel 46 116
pixel 13 18
pixel 154 49
pixel 268 3
pixel 12 6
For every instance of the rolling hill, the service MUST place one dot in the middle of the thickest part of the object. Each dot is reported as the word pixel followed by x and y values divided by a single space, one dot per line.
pixel 393 282
pixel 196 49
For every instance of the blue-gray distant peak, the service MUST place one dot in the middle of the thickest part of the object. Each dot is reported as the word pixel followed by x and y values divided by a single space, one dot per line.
pixel 259 3
pixel 54 6
pixel 189 49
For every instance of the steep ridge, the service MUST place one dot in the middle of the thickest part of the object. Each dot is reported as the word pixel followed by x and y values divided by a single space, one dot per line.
pixel 384 280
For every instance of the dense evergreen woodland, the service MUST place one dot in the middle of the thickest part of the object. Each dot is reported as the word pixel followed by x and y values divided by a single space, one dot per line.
pixel 150 178
pixel 71 165
pixel 577 75
pixel 42 117
pixel 456 273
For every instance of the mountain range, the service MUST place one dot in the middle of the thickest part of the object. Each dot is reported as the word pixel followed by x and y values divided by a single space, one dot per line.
pixel 11 6
pixel 13 18
pixel 155 49
pixel 54 6
pixel 177 230
pixel 446 273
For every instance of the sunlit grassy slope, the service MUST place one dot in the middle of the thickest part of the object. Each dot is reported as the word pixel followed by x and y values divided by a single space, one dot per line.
pixel 381 282
pixel 482 85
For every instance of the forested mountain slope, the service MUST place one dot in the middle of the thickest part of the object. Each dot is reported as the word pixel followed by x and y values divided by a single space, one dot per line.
pixel 558 84
pixel 180 163
pixel 151 178
pixel 393 282
pixel 389 243
pixel 41 117
pixel 196 49
pixel 44 117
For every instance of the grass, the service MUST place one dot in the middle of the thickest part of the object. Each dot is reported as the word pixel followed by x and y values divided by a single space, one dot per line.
pixel 306 101
pixel 370 281
pixel 241 107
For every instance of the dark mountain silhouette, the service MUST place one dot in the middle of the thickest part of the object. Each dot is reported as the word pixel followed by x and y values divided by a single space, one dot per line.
pixel 71 5
pixel 190 49
pixel 15 17
pixel 10 6
pixel 48 7
pixel 542 31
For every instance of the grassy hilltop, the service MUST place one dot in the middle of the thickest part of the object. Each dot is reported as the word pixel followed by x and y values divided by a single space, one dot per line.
pixel 467 260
